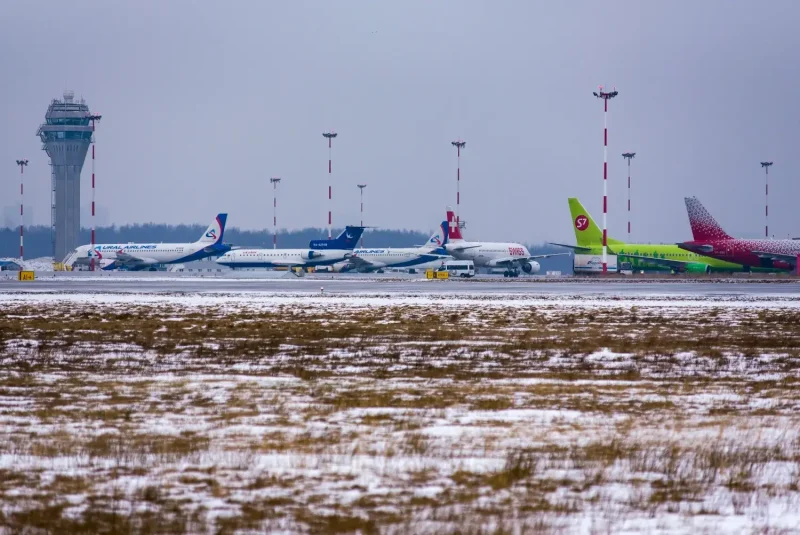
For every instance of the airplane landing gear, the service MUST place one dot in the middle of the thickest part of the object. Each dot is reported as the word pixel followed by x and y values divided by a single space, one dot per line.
pixel 511 273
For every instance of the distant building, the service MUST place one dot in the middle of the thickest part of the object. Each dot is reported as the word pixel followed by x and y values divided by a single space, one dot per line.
pixel 66 135
pixel 6 265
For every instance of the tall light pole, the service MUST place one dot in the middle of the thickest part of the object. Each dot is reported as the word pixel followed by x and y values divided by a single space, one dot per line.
pixel 329 136
pixel 629 156
pixel 94 119
pixel 766 166
pixel 275 180
pixel 361 188
pixel 22 164
pixel 606 96
pixel 459 144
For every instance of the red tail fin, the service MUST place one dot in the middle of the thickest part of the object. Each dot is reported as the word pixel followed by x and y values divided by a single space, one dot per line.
pixel 704 226
pixel 453 232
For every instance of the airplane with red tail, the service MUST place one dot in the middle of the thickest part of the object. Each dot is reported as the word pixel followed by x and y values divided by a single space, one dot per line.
pixel 710 240
pixel 510 257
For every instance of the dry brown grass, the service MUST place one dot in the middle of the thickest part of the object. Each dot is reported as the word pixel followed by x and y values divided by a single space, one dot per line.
pixel 137 395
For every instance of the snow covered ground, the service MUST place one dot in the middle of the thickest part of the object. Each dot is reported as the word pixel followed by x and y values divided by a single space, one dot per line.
pixel 400 413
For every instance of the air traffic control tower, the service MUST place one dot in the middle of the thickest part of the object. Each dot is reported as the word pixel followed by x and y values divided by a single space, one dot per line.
pixel 66 135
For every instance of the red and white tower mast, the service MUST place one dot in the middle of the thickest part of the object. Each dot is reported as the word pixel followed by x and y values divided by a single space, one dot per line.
pixel 329 135
pixel 629 156
pixel 93 118
pixel 361 187
pixel 22 164
pixel 275 181
pixel 766 166
pixel 606 96
pixel 458 145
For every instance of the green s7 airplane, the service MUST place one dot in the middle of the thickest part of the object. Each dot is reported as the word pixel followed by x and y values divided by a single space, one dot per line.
pixel 642 256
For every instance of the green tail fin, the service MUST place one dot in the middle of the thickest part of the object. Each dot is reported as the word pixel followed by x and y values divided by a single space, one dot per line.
pixel 587 233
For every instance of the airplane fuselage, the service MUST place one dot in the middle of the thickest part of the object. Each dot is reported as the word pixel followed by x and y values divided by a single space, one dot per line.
pixel 378 258
pixel 150 253
pixel 743 251
pixel 272 258
pixel 486 254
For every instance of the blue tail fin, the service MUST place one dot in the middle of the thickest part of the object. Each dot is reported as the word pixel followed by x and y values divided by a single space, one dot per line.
pixel 440 250
pixel 347 240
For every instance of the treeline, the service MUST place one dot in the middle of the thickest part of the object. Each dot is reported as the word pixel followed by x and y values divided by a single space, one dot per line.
pixel 38 240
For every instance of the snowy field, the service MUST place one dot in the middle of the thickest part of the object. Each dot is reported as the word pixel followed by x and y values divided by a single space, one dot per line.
pixel 402 413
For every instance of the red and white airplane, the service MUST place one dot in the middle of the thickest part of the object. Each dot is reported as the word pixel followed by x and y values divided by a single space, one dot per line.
pixel 508 256
pixel 711 240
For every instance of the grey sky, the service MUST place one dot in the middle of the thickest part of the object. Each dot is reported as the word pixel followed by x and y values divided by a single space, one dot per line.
pixel 203 101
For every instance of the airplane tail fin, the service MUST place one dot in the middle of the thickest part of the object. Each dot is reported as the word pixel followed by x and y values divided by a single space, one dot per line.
pixel 453 232
pixel 438 239
pixel 214 232
pixel 347 240
pixel 704 226
pixel 587 233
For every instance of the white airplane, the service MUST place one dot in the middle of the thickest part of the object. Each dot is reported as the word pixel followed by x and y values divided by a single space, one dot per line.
pixel 319 253
pixel 138 256
pixel 432 254
pixel 510 256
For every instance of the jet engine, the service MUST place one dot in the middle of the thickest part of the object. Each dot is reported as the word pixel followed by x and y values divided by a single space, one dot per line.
pixel 531 267
pixel 696 267
pixel 313 254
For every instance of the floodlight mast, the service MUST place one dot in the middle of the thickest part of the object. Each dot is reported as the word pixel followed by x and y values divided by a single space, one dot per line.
pixel 93 118
pixel 22 164
pixel 605 96
pixel 329 136
pixel 275 181
pixel 459 144
pixel 629 156
pixel 766 166
pixel 361 190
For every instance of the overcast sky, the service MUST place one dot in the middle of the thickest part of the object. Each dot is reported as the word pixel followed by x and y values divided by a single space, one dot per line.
pixel 203 101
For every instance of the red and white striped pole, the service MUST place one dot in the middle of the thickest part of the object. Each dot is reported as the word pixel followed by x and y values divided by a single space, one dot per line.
pixel 361 187
pixel 93 119
pixel 329 135
pixel 606 97
pixel 275 181
pixel 766 166
pixel 458 145
pixel 21 163
pixel 629 156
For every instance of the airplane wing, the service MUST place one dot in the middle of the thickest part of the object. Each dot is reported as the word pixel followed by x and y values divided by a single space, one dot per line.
pixel 128 259
pixel 537 256
pixel 576 248
pixel 790 259
pixel 463 247
pixel 358 262
pixel 287 263
pixel 508 261
pixel 666 262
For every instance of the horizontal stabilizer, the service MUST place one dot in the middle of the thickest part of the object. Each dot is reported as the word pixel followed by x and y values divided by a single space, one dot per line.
pixel 576 248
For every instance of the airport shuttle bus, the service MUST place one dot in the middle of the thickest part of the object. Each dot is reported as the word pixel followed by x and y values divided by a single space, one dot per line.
pixel 460 268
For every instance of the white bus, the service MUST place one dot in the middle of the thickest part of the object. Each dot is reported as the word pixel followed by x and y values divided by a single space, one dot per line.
pixel 460 268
